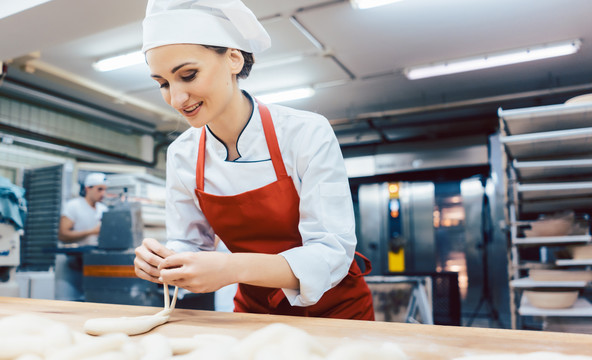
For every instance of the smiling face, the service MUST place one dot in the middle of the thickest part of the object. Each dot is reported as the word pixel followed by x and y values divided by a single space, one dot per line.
pixel 196 81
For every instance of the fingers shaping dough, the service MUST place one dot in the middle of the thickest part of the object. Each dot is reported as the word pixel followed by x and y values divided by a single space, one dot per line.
pixel 133 325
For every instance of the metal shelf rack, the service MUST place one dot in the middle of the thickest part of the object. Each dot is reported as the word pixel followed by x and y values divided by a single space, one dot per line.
pixel 548 161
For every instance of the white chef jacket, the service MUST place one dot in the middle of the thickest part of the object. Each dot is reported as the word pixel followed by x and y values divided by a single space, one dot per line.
pixel 314 161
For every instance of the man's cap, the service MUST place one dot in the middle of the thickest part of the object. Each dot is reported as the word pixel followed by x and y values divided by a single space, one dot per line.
pixel 94 179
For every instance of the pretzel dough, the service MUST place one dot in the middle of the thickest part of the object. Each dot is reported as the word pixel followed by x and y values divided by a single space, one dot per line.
pixel 31 337
pixel 133 325
pixel 182 346
pixel 31 334
pixel 541 355
pixel 156 347
pixel 111 342
pixel 279 341
pixel 362 350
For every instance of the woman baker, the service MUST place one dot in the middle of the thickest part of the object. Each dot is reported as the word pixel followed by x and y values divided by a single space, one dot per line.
pixel 268 180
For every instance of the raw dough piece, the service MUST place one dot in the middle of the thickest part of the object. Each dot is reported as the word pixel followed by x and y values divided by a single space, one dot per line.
pixel 133 325
pixel 210 352
pixel 279 341
pixel 530 356
pixel 112 355
pixel 29 334
pixel 128 351
pixel 181 346
pixel 362 350
pixel 17 345
pixel 156 347
pixel 111 342
pixel 127 325
pixel 29 357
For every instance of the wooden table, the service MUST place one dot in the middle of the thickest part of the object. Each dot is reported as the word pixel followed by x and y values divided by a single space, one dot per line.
pixel 419 341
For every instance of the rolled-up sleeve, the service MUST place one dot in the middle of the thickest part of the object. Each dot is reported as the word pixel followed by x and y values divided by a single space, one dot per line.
pixel 327 222
pixel 186 226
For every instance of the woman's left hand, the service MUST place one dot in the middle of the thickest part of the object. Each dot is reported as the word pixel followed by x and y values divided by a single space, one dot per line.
pixel 198 272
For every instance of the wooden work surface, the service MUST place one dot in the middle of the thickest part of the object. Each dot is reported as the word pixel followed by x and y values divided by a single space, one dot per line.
pixel 418 341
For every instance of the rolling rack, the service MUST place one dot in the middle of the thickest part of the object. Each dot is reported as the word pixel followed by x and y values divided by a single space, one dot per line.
pixel 548 162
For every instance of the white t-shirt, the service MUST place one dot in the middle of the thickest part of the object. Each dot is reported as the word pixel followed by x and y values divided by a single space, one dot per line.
pixel 313 159
pixel 85 217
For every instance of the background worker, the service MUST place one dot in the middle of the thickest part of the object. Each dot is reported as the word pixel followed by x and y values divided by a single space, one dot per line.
pixel 80 224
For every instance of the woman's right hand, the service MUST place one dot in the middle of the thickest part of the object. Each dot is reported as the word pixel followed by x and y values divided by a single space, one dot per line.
pixel 149 256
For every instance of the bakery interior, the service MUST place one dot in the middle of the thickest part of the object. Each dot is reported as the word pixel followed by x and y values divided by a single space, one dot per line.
pixel 472 187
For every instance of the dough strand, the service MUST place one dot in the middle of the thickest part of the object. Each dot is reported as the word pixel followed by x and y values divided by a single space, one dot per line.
pixel 133 325
pixel 166 296
pixel 174 298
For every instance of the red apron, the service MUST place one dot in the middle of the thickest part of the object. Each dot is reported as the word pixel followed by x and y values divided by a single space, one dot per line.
pixel 265 220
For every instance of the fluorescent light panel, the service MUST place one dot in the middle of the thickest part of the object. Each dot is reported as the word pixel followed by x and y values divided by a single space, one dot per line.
pixel 120 61
pixel 492 60
pixel 278 62
pixel 288 95
pixel 11 7
pixel 367 4
pixel 136 57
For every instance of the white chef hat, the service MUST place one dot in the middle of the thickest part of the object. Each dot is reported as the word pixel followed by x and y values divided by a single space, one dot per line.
pixel 225 23
pixel 94 179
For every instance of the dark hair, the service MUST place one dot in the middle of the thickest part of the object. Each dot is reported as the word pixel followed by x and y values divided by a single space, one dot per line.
pixel 249 60
pixel 82 191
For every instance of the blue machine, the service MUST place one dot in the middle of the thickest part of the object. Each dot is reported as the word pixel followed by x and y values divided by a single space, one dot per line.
pixel 109 275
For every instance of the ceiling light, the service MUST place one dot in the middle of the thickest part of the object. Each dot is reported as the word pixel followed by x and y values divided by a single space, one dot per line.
pixel 120 61
pixel 367 4
pixel 11 7
pixel 492 60
pixel 288 95
pixel 278 62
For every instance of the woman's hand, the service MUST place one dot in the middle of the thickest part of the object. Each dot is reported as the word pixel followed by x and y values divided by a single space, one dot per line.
pixel 198 272
pixel 149 257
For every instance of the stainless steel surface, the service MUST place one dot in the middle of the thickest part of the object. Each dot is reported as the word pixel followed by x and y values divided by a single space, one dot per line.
pixel 549 144
pixel 373 205
pixel 420 300
pixel 547 118
pixel 554 190
pixel 472 191
pixel 124 123
pixel 555 205
pixel 416 213
pixel 427 156
pixel 499 266
pixel 548 171
pixel 544 169
pixel 428 249
pixel 417 203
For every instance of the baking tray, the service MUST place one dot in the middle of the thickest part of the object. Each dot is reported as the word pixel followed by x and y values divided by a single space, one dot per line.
pixel 551 143
pixel 554 190
pixel 546 118
pixel 534 170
